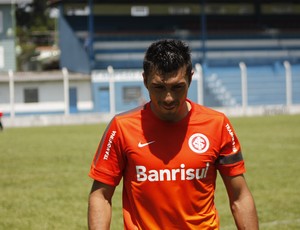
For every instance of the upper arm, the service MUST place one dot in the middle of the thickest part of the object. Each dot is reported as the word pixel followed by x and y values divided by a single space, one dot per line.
pixel 102 190
pixel 236 187
pixel 100 206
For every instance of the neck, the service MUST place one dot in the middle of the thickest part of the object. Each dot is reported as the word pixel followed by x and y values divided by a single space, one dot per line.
pixel 188 108
pixel 185 110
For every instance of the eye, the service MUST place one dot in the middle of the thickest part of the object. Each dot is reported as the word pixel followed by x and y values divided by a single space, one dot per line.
pixel 158 87
pixel 178 87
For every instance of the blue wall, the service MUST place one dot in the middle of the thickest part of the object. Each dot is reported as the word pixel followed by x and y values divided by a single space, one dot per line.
pixel 101 95
pixel 73 54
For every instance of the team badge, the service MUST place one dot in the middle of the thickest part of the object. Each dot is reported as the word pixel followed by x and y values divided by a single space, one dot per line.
pixel 198 143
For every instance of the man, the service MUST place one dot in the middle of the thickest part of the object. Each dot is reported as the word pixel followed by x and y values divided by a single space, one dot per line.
pixel 1 126
pixel 168 153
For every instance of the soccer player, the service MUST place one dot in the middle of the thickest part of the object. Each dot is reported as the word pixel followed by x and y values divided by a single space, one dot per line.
pixel 168 153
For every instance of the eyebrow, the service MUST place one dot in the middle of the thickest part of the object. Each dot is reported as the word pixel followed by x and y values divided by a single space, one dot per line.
pixel 171 84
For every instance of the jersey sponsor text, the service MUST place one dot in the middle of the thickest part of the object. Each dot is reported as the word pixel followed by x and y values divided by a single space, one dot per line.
pixel 108 146
pixel 232 137
pixel 170 174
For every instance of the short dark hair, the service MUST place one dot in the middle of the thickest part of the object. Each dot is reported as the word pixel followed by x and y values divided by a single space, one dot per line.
pixel 167 56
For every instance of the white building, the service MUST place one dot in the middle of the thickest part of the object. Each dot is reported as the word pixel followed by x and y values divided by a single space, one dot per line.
pixel 44 93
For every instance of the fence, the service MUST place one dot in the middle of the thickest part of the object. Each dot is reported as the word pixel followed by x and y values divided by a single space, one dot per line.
pixel 237 91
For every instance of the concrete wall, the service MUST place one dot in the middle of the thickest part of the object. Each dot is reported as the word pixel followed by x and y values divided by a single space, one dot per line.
pixel 95 118
pixel 51 97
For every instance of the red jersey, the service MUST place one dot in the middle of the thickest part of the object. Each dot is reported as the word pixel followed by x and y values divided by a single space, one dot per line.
pixel 169 169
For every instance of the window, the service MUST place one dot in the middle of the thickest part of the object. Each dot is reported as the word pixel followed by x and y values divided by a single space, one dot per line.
pixel 132 94
pixel 139 11
pixel 1 57
pixel 1 22
pixel 31 95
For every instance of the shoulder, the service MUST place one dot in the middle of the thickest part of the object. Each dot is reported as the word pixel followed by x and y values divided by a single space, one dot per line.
pixel 130 115
pixel 206 111
pixel 207 116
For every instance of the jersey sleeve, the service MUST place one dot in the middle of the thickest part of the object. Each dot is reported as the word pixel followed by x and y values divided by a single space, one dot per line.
pixel 108 163
pixel 230 160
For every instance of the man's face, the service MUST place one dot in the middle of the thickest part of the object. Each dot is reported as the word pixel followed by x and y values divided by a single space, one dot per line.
pixel 168 95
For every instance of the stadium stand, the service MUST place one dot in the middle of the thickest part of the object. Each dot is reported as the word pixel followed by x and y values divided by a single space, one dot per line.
pixel 266 85
pixel 261 34
pixel 128 52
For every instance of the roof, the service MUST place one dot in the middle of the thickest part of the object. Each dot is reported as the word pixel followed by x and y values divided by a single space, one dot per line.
pixel 55 75
pixel 55 2
pixel 14 1
pixel 50 2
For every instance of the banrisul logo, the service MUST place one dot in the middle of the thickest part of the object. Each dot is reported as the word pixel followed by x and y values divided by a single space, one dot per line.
pixel 198 143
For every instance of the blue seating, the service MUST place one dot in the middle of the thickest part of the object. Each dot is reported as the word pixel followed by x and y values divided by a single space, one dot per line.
pixel 266 84
pixel 124 50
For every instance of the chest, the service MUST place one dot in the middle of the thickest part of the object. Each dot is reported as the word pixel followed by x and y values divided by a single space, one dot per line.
pixel 172 147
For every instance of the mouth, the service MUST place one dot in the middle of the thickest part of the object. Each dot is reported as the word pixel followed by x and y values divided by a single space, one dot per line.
pixel 169 107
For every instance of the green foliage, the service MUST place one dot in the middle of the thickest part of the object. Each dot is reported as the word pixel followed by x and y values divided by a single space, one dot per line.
pixel 44 182
pixel 34 16
pixel 34 28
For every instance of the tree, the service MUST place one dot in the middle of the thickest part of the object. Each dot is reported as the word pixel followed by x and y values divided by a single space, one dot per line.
pixel 34 16
pixel 34 28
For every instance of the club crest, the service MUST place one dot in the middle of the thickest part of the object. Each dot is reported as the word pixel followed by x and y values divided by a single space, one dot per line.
pixel 198 143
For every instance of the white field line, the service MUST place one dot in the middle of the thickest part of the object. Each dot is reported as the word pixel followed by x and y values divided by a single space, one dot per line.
pixel 279 222
pixel 266 224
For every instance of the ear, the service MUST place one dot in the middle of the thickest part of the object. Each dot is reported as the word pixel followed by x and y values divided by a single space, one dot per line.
pixel 190 77
pixel 145 80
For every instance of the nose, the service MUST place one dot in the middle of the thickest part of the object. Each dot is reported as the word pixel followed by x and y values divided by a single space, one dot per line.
pixel 169 98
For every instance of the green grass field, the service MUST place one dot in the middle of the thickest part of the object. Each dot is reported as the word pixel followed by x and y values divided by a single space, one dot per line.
pixel 44 182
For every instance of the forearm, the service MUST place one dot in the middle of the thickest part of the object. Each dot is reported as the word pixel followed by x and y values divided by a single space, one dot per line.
pixel 244 213
pixel 99 213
